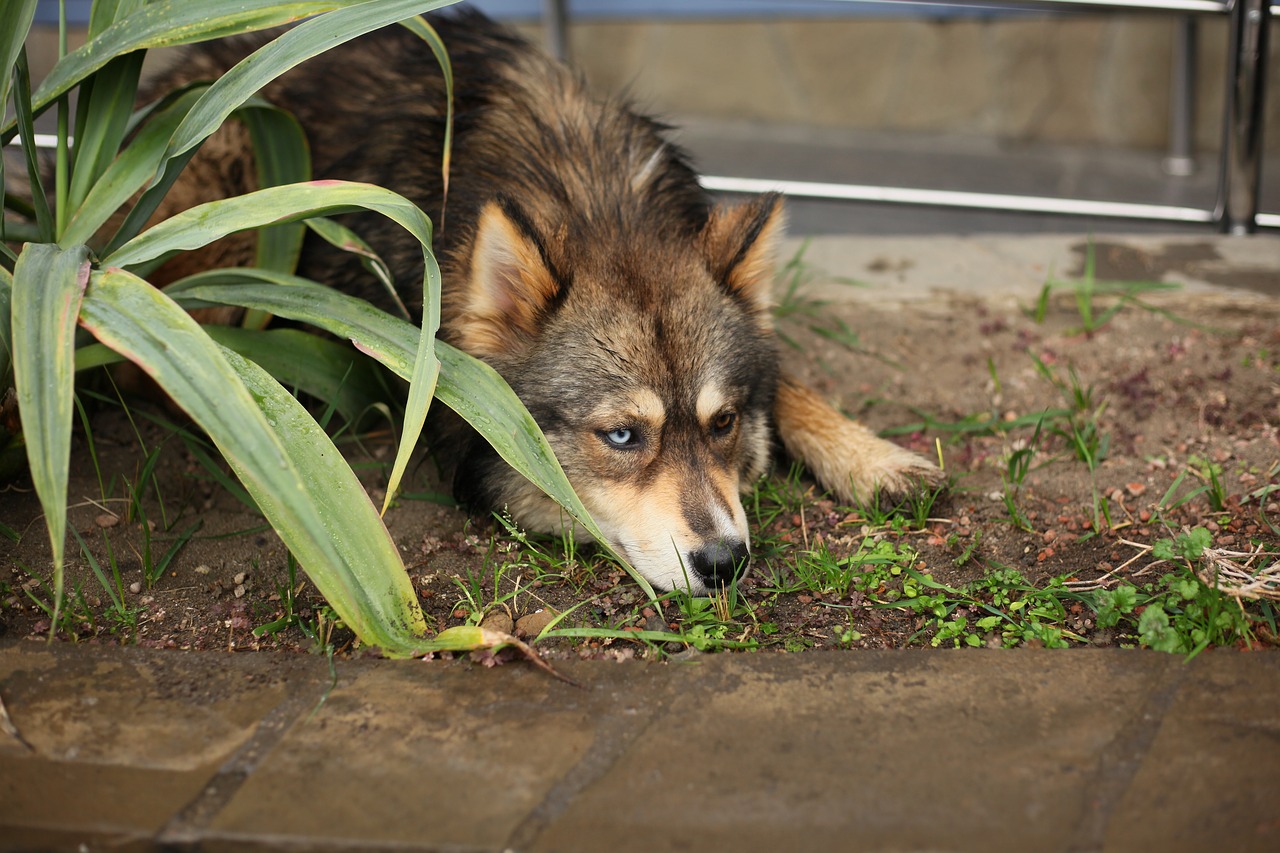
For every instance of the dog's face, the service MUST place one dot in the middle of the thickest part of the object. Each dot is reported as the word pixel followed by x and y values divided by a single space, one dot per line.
pixel 650 366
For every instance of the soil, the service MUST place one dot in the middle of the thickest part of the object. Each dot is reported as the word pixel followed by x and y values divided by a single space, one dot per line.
pixel 1177 393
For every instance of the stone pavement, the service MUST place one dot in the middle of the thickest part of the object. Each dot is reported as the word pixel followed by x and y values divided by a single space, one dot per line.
pixel 128 749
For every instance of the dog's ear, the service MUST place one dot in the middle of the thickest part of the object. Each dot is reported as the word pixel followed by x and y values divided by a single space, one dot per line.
pixel 511 283
pixel 739 244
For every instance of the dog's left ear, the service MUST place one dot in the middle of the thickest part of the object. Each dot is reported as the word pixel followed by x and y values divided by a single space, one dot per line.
pixel 739 244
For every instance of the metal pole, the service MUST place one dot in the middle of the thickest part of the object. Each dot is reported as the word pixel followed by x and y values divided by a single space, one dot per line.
pixel 555 18
pixel 1181 161
pixel 1237 207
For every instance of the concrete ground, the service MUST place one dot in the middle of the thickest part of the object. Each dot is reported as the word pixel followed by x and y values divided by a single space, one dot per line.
pixel 128 749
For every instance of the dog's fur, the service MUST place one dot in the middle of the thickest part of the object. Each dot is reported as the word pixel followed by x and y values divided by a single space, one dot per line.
pixel 582 260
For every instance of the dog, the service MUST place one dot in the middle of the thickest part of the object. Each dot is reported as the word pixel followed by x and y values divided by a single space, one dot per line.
pixel 583 261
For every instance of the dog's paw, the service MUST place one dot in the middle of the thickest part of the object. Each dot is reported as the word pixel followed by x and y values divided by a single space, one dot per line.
pixel 890 474
pixel 894 475
pixel 847 458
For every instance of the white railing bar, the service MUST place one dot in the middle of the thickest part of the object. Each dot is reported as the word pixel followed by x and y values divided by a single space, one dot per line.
pixel 953 198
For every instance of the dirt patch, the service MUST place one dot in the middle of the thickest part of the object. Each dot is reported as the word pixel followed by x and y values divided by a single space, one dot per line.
pixel 1178 419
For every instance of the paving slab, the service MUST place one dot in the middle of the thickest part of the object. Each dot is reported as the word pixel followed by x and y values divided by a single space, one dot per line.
pixel 125 748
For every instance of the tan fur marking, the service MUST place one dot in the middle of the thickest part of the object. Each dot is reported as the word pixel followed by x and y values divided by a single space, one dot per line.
pixel 507 290
pixel 845 456
pixel 747 269
pixel 641 406
pixel 711 402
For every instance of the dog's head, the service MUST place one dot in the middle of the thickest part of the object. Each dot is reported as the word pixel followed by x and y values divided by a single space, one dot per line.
pixel 648 361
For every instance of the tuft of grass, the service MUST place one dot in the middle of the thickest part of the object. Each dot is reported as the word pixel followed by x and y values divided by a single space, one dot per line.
pixel 1089 290
pixel 1018 464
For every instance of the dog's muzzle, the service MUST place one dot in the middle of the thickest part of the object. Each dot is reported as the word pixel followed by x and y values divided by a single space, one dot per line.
pixel 720 563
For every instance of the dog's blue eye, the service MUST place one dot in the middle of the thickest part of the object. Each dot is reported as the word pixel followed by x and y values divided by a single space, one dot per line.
pixel 621 437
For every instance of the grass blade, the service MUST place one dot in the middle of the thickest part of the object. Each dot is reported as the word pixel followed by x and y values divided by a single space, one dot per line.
pixel 286 462
pixel 419 27
pixel 48 286
pixel 341 237
pixel 26 126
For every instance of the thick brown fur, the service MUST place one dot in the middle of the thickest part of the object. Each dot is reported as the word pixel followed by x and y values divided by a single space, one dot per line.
pixel 582 260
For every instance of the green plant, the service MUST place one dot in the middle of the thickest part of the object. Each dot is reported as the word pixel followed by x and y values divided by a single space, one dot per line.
pixel 797 304
pixel 1001 608
pixel 1016 468
pixel 1087 289
pixel 74 280
pixel 1178 612
pixel 1211 473
pixel 866 569
pixel 1081 431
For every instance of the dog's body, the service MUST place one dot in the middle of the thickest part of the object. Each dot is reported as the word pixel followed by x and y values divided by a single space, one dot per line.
pixel 582 260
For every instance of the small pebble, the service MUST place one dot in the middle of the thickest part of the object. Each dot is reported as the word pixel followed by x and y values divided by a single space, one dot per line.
pixel 135 587
pixel 532 624
pixel 497 620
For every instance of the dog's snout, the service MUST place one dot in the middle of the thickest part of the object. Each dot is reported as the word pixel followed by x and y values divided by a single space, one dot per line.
pixel 721 562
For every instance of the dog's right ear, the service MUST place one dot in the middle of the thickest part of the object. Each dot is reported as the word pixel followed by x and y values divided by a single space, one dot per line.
pixel 510 286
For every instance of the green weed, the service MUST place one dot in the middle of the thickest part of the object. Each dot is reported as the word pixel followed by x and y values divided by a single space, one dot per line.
pixel 1001 608
pixel 1017 465
pixel 1087 291
pixel 797 304
pixel 1178 612
pixel 318 627
pixel 824 573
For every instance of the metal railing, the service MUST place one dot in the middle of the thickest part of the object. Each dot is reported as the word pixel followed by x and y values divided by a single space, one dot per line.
pixel 1240 159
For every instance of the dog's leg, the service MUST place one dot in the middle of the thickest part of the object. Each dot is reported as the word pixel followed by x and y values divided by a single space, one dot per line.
pixel 846 458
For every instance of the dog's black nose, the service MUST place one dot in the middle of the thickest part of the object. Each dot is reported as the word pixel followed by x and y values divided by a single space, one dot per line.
pixel 721 563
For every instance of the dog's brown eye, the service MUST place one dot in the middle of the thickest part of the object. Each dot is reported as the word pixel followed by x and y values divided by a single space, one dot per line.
pixel 723 423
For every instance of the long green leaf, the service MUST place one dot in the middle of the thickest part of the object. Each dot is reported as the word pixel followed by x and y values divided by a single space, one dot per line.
pixel 6 335
pixel 15 22
pixel 419 27
pixel 107 12
pixel 290 49
pixel 130 171
pixel 166 24
pixel 322 367
pixel 214 220
pixel 205 223
pixel 282 156
pixel 26 127
pixel 48 286
pixel 102 117
pixel 286 462
pixel 341 237
pixel 470 387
